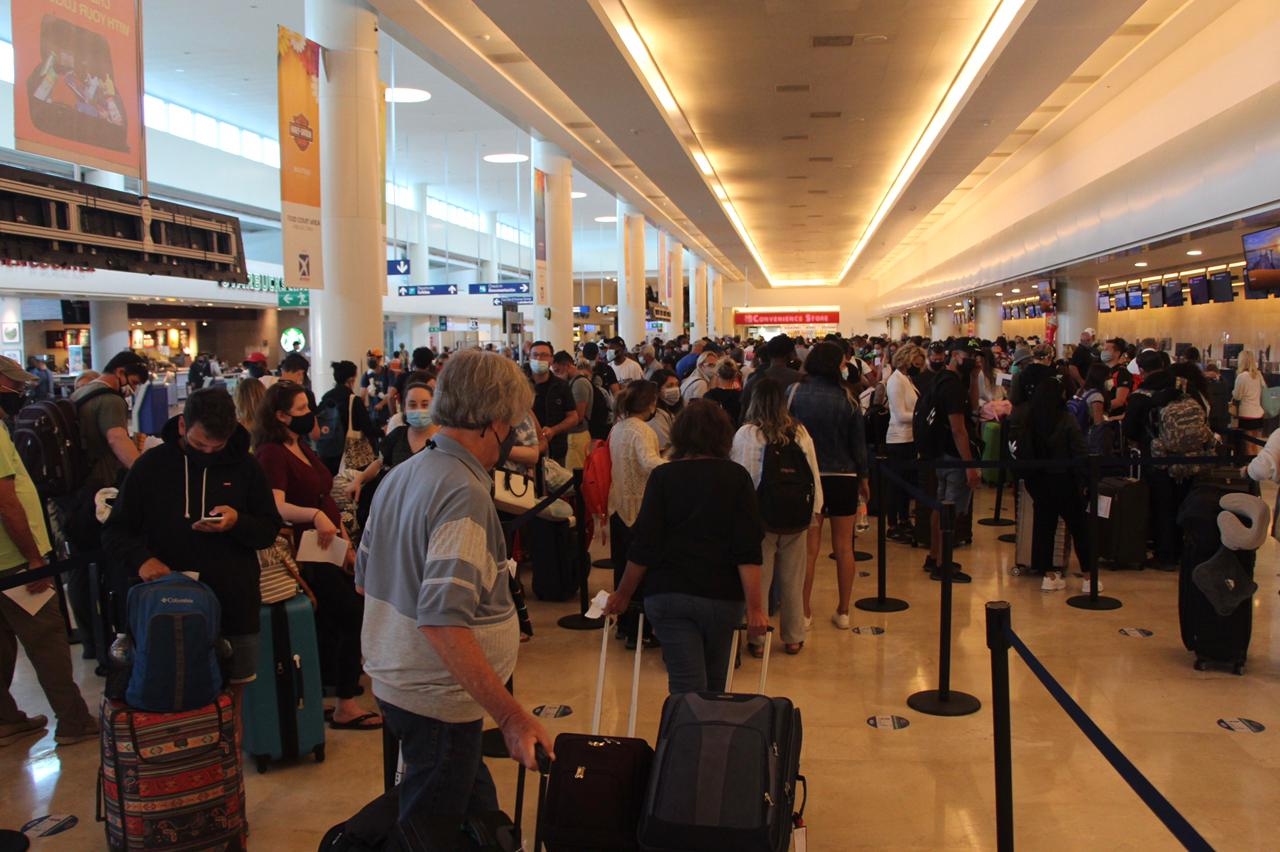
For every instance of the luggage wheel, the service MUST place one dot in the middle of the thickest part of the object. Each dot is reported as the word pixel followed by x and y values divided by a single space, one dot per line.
pixel 318 751
pixel 262 762
pixel 1238 669
pixel 1201 665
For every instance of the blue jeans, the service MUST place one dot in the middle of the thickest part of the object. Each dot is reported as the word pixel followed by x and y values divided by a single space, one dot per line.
pixel 696 635
pixel 444 771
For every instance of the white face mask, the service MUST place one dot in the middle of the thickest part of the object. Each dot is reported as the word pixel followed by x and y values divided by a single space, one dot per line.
pixel 539 367
pixel 670 395
pixel 609 355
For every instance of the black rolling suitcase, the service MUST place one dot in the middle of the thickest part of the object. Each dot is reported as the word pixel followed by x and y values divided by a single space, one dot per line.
pixel 1124 508
pixel 592 796
pixel 725 774
pixel 1213 638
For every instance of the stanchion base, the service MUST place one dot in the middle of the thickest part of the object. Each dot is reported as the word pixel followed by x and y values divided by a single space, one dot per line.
pixel 881 604
pixel 1101 602
pixel 930 703
pixel 13 841
pixel 603 563
pixel 580 622
pixel 1007 538
pixel 493 745
pixel 862 556
pixel 996 522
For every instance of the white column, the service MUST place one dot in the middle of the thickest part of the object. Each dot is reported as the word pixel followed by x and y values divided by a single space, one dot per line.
pixel 108 331
pixel 675 264
pixel 698 299
pixel 1077 309
pixel 348 311
pixel 715 298
pixel 631 301
pixel 990 318
pixel 558 295
pixel 420 247
pixel 487 270
pixel 942 327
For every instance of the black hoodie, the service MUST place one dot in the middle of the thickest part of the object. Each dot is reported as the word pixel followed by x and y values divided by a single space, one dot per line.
pixel 170 488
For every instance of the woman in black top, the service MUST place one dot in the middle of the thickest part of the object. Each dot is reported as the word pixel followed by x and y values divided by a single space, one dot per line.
pixel 696 545
pixel 330 446
pixel 728 389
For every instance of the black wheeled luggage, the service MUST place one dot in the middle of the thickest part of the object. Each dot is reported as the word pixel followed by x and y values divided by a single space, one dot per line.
pixel 725 773
pixel 1124 509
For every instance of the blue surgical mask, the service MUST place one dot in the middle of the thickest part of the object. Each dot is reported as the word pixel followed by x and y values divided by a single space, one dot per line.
pixel 418 418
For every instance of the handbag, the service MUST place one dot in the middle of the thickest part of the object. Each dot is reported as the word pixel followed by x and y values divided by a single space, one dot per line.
pixel 357 452
pixel 514 492
pixel 280 578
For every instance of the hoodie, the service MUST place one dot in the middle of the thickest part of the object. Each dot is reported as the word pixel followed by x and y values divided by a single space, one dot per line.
pixel 170 488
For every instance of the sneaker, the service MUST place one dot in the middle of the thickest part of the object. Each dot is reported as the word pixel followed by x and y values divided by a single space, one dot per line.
pixel 1053 582
pixel 11 732
pixel 957 576
pixel 841 620
pixel 71 736
pixel 1086 588
pixel 808 623
pixel 929 567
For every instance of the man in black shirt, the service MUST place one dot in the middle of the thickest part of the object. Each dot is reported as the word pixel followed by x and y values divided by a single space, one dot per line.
pixel 1082 357
pixel 950 401
pixel 553 403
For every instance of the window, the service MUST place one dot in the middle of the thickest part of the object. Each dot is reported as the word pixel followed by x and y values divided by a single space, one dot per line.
pixel 155 113
pixel 438 208
pixel 206 130
pixel 180 122
pixel 251 146
pixel 271 153
pixel 6 62
pixel 512 234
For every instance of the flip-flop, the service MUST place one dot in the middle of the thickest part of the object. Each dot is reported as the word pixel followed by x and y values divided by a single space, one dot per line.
pixel 757 651
pixel 356 724
pixel 793 649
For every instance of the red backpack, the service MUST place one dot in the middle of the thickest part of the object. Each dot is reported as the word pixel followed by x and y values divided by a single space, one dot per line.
pixel 597 477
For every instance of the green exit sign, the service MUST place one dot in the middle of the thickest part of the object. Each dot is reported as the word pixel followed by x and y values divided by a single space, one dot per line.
pixel 293 298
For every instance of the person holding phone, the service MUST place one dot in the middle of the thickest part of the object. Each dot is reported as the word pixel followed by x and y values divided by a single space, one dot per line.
pixel 199 503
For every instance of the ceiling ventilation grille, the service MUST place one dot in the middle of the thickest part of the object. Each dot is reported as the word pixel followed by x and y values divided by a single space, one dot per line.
pixel 821 159
pixel 788 88
pixel 795 137
pixel 826 113
pixel 833 41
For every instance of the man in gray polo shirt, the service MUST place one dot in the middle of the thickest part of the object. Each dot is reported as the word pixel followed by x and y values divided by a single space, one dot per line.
pixel 440 631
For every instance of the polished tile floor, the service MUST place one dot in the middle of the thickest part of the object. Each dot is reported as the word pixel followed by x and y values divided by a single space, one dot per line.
pixel 926 786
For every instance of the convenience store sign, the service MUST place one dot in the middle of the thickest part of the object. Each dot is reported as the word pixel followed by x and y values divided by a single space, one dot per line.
pixel 786 317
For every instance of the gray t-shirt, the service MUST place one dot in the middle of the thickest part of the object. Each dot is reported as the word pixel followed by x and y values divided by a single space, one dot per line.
pixel 104 410
pixel 581 387
pixel 433 555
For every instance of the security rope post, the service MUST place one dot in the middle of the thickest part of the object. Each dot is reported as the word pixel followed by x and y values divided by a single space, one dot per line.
pixel 1093 600
pixel 943 701
pixel 881 603
pixel 995 520
pixel 998 621
pixel 582 554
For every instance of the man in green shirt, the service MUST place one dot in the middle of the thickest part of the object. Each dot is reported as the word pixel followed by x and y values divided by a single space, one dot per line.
pixel 24 544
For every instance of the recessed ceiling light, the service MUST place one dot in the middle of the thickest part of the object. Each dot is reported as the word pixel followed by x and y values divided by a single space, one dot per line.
pixel 875 38
pixel 577 194
pixel 506 158
pixel 1194 253
pixel 1016 290
pixel 606 219
pixel 704 165
pixel 999 294
pixel 1141 263
pixel 402 95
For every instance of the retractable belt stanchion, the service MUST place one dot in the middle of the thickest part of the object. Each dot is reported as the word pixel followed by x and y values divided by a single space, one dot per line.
pixel 995 520
pixel 1093 600
pixel 880 603
pixel 998 613
pixel 944 701
pixel 582 552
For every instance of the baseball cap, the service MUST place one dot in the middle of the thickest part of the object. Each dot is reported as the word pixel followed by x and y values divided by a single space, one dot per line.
pixel 256 358
pixel 11 369
pixel 1091 332
pixel 1021 354
pixel 376 352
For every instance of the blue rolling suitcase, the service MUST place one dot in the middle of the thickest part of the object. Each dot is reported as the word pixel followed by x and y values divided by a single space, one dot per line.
pixel 283 710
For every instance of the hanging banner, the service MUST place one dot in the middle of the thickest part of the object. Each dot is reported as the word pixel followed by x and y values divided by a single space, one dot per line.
pixel 664 281
pixel 77 92
pixel 382 172
pixel 540 235
pixel 786 317
pixel 298 70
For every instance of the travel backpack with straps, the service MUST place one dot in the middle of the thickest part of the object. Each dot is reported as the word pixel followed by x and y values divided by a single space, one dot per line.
pixel 47 437
pixel 1183 431
pixel 599 414
pixel 928 424
pixel 597 478
pixel 786 490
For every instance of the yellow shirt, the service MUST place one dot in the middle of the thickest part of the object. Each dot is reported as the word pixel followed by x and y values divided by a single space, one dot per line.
pixel 11 467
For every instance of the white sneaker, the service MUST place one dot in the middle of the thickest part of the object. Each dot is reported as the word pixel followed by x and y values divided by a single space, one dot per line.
pixel 841 620
pixel 808 623
pixel 1085 586
pixel 1053 582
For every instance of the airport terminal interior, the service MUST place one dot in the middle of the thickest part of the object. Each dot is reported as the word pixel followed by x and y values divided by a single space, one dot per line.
pixel 217 187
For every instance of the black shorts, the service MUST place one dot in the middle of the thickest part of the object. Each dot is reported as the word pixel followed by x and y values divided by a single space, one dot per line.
pixel 840 496
pixel 1250 424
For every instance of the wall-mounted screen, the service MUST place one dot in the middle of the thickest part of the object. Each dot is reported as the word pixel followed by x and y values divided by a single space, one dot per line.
pixel 1173 293
pixel 1262 259
pixel 1122 300
pixel 1135 297
pixel 1155 295
pixel 1104 302
pixel 1199 287
pixel 1045 290
pixel 1220 287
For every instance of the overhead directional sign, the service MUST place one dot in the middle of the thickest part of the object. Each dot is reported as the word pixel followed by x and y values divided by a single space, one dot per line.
pixel 513 300
pixel 398 267
pixel 427 290
pixel 498 287
pixel 293 298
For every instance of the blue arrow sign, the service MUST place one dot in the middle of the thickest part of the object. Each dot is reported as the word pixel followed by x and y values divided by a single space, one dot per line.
pixel 398 267
pixel 498 288
pixel 427 290
pixel 513 300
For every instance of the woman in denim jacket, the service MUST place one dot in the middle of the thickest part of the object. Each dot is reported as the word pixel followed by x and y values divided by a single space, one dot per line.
pixel 832 418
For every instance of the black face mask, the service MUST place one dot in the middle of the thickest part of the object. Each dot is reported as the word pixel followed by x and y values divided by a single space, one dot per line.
pixel 302 424
pixel 937 366
pixel 504 446
pixel 10 402
pixel 966 367
pixel 913 371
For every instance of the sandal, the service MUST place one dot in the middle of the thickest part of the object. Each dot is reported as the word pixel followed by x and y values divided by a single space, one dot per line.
pixel 357 724
pixel 793 648
pixel 756 651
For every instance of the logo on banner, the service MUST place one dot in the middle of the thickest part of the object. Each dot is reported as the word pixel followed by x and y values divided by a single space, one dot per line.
pixel 304 266
pixel 300 131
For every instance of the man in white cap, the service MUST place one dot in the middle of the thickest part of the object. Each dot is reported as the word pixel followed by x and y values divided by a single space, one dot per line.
pixel 24 545
pixel 1082 357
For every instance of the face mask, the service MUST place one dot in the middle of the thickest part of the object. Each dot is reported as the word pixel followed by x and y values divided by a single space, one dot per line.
pixel 966 367
pixel 1107 356
pixel 913 371
pixel 419 418
pixel 670 395
pixel 302 424
pixel 10 402
pixel 504 446
pixel 539 368
pixel 708 373
pixel 936 365
pixel 610 355
pixel 684 348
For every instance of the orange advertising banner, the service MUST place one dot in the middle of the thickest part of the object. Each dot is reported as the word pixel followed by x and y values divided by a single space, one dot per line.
pixel 298 71
pixel 77 93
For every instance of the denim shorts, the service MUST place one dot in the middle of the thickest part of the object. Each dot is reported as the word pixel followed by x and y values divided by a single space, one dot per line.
pixel 242 668
pixel 953 486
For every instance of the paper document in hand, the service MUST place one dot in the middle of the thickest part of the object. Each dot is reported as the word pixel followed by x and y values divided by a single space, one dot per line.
pixel 31 603
pixel 309 549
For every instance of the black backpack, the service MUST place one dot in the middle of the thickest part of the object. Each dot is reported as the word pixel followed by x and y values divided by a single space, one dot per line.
pixel 786 491
pixel 877 417
pixel 599 415
pixel 928 425
pixel 333 438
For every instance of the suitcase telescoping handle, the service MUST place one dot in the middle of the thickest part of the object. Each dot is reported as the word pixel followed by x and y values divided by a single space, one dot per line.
pixel 764 662
pixel 635 675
